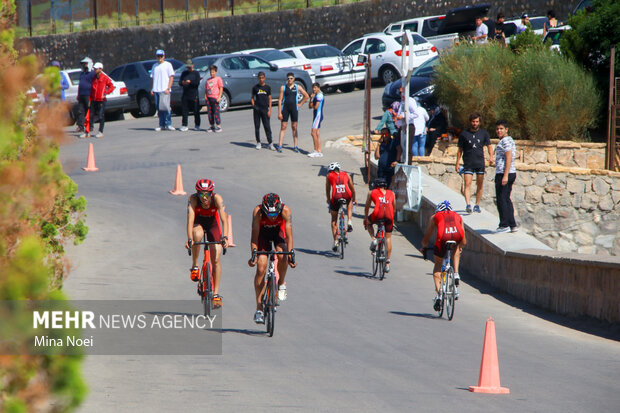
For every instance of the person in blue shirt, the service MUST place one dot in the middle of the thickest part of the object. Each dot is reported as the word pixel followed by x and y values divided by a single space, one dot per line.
pixel 317 102
pixel 83 95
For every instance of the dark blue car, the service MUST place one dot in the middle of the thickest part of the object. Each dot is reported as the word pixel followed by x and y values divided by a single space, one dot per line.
pixel 419 86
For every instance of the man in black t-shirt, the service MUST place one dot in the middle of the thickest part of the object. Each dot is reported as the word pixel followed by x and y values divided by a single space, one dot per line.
pixel 471 146
pixel 261 103
pixel 189 81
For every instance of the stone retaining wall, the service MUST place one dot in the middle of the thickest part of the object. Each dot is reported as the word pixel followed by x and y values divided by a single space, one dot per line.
pixel 338 25
pixel 568 208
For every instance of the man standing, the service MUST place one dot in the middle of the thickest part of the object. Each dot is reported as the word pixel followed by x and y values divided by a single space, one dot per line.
pixel 499 34
pixel 189 81
pixel 102 86
pixel 261 105
pixel 288 105
pixel 482 31
pixel 83 96
pixel 525 23
pixel 163 76
pixel 471 147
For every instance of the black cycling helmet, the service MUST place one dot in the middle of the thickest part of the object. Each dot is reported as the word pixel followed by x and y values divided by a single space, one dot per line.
pixel 204 185
pixel 272 205
pixel 380 183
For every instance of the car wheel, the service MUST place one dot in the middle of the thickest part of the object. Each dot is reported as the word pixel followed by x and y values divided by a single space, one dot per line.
pixel 144 104
pixel 135 113
pixel 388 75
pixel 346 88
pixel 224 102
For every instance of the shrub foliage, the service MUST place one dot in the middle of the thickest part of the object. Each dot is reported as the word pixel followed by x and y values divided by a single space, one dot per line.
pixel 543 95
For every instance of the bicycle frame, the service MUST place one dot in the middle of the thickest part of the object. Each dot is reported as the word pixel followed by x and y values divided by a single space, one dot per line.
pixel 205 284
pixel 342 227
pixel 380 254
pixel 447 289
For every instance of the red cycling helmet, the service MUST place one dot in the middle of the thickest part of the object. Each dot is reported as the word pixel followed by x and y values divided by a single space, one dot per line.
pixel 272 205
pixel 204 185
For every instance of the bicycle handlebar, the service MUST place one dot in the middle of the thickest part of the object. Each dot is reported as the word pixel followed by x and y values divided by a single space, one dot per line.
pixel 290 254
pixel 190 242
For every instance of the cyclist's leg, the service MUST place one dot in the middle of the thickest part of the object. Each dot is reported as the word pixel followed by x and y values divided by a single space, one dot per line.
pixel 437 272
pixel 334 217
pixel 259 279
pixel 456 258
pixel 197 234
pixel 350 211
pixel 282 264
pixel 388 244
pixel 216 264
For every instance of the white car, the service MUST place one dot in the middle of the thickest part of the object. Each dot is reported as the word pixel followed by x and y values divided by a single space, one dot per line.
pixel 512 27
pixel 386 53
pixel 554 35
pixel 283 60
pixel 330 65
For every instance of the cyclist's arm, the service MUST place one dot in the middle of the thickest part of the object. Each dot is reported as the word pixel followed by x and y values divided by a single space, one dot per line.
pixel 221 210
pixel 288 226
pixel 429 231
pixel 367 207
pixel 190 219
pixel 352 188
pixel 464 240
pixel 328 190
pixel 255 229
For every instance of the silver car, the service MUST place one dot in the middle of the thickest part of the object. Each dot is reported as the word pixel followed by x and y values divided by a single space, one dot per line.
pixel 239 73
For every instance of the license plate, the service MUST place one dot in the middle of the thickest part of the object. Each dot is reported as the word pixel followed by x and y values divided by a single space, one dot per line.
pixel 421 52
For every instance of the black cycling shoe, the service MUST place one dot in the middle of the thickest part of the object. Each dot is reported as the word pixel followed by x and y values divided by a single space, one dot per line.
pixel 349 228
pixel 437 305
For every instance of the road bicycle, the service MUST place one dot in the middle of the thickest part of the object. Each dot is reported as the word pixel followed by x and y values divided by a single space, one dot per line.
pixel 205 284
pixel 379 255
pixel 342 226
pixel 447 288
pixel 270 296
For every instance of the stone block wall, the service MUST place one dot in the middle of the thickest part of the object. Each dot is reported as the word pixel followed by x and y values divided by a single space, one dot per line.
pixel 337 25
pixel 569 208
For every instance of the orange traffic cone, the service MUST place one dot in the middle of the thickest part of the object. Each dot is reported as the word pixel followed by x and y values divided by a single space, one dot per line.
pixel 489 367
pixel 231 243
pixel 178 184
pixel 90 162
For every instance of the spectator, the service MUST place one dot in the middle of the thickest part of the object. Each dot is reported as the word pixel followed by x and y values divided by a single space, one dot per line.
pixel 214 88
pixel 388 120
pixel 550 22
pixel 400 120
pixel 505 175
pixel 189 81
pixel 419 140
pixel 102 86
pixel 437 126
pixel 292 97
pixel 387 152
pixel 163 77
pixel 499 34
pixel 64 82
pixel 491 25
pixel 482 31
pixel 83 96
pixel 471 146
pixel 317 103
pixel 524 24
pixel 261 104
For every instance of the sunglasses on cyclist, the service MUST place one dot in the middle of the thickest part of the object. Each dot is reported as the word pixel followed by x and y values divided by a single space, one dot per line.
pixel 205 194
pixel 272 214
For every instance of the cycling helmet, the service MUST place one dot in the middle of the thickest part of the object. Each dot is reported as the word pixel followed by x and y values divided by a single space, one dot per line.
pixel 272 205
pixel 380 183
pixel 204 185
pixel 333 166
pixel 443 206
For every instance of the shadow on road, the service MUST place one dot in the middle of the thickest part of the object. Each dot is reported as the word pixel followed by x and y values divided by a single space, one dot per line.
pixel 240 331
pixel 325 253
pixel 355 274
pixel 244 144
pixel 421 315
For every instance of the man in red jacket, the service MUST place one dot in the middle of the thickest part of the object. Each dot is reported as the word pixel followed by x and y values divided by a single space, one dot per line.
pixel 102 86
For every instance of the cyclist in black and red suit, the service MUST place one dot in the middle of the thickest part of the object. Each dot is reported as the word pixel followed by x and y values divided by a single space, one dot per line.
pixel 206 212
pixel 271 222
pixel 339 185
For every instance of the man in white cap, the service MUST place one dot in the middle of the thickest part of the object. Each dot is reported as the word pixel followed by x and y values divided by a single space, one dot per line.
pixel 163 76
pixel 102 86
pixel 83 95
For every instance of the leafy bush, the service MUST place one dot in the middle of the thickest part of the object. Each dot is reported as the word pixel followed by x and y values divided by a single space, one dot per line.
pixel 542 94
pixel 527 40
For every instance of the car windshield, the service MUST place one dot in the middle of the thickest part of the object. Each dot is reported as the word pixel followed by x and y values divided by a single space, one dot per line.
pixel 201 64
pixel 270 55
pixel 538 23
pixel 427 68
pixel 417 39
pixel 318 52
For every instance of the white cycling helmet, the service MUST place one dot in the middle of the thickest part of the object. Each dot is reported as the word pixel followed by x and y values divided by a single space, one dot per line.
pixel 333 166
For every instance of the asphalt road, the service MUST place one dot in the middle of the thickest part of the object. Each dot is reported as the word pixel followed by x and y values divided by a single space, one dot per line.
pixel 343 341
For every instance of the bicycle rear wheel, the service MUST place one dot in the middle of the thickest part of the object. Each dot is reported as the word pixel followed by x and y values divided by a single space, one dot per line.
pixel 450 294
pixel 375 263
pixel 207 292
pixel 343 234
pixel 271 306
pixel 382 257
pixel 442 290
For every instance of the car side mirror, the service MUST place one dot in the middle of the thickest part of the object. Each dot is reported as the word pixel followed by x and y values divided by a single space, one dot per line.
pixel 273 67
pixel 362 58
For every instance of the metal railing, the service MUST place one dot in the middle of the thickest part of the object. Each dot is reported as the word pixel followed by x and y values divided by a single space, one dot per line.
pixel 42 17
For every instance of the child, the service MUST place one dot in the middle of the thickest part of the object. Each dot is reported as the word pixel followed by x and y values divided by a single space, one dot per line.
pixel 317 102
pixel 214 88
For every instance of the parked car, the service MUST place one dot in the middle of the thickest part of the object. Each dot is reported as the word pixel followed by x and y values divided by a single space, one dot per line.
pixel 420 86
pixel 116 102
pixel 537 25
pixel 282 59
pixel 442 31
pixel 137 78
pixel 554 35
pixel 331 66
pixel 386 53
pixel 239 74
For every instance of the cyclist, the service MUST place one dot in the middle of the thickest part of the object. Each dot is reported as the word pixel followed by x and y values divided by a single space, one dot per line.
pixel 206 212
pixel 385 205
pixel 450 227
pixel 272 221
pixel 339 185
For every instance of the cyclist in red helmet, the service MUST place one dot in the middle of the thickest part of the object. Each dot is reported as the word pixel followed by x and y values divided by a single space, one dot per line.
pixel 272 221
pixel 206 212
pixel 384 201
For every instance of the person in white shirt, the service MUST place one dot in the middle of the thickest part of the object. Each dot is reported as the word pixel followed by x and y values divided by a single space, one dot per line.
pixel 419 140
pixel 482 32
pixel 400 120
pixel 162 74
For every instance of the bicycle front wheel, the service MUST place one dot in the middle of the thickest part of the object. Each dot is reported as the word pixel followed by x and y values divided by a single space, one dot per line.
pixel 271 306
pixel 343 234
pixel 375 263
pixel 207 299
pixel 382 258
pixel 450 294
